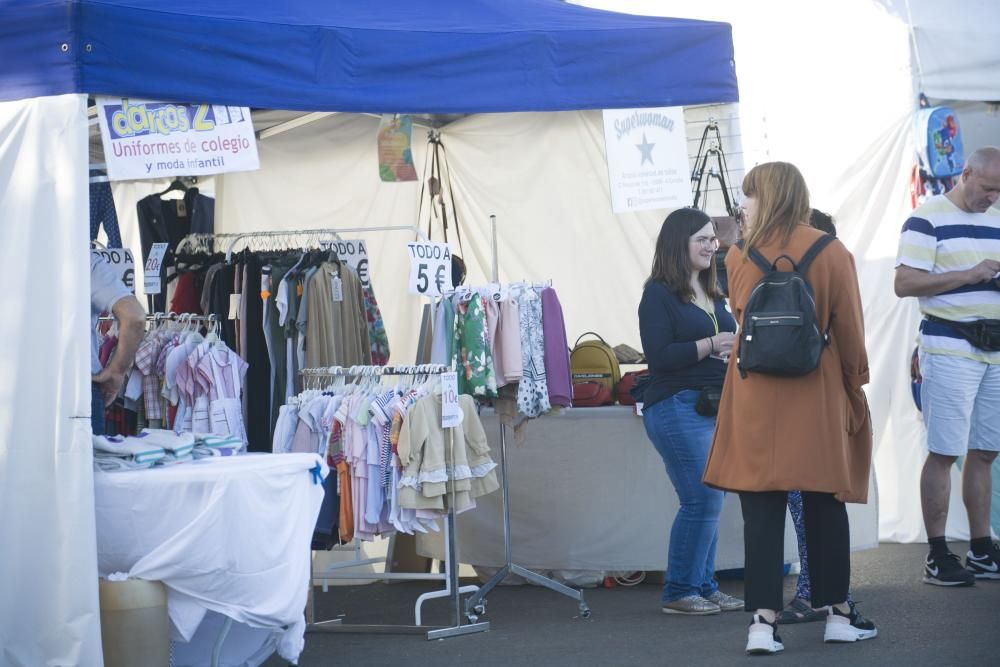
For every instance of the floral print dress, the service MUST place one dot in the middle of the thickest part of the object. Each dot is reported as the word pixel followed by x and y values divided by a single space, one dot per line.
pixel 471 355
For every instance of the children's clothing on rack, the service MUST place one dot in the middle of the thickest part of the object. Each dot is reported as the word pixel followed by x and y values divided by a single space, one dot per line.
pixel 507 341
pixel 293 308
pixel 390 453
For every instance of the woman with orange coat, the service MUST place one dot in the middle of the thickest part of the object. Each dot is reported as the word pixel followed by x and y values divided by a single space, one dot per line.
pixel 810 433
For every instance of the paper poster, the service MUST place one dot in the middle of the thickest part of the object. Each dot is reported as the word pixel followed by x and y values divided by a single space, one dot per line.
pixel 355 253
pixel 395 157
pixel 151 283
pixel 430 268
pixel 148 139
pixel 647 158
pixel 123 263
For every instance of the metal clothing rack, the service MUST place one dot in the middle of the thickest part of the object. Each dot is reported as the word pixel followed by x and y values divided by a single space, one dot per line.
pixel 452 589
pixel 475 606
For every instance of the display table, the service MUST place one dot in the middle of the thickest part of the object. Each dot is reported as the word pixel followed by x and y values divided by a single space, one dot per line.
pixel 229 535
pixel 589 492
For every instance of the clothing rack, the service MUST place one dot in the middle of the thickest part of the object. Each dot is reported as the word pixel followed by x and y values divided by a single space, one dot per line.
pixel 475 606
pixel 171 317
pixel 452 589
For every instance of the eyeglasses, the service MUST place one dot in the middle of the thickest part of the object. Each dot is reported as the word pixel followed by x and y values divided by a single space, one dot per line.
pixel 707 241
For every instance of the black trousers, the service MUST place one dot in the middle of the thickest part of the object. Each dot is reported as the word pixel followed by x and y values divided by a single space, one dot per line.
pixel 828 547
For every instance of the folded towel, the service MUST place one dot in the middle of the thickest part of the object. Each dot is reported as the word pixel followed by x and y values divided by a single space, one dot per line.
pixel 178 443
pixel 210 440
pixel 130 447
pixel 173 459
pixel 113 463
pixel 202 452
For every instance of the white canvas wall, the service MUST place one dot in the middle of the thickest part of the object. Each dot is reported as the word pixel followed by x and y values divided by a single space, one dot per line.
pixel 48 562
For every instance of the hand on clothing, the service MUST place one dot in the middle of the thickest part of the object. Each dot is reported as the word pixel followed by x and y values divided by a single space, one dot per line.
pixel 110 383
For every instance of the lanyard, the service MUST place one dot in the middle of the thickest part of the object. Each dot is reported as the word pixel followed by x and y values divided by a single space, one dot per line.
pixel 711 314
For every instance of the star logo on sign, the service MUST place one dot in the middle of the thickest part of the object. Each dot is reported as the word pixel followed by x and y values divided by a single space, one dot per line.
pixel 646 149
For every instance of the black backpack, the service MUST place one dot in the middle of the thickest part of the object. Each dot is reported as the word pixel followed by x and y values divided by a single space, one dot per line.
pixel 780 333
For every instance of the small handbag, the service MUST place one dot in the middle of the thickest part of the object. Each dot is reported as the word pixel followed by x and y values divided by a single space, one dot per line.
pixel 591 395
pixel 708 401
pixel 630 387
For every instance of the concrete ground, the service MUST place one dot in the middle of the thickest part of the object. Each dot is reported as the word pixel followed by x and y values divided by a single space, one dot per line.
pixel 918 625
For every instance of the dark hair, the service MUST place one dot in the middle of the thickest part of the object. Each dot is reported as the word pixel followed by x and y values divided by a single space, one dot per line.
pixel 822 221
pixel 672 255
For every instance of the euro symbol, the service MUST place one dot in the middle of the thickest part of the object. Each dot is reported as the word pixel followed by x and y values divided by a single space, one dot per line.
pixel 439 278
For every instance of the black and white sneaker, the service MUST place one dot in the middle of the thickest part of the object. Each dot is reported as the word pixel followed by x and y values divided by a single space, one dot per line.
pixel 947 570
pixel 986 566
pixel 853 627
pixel 762 638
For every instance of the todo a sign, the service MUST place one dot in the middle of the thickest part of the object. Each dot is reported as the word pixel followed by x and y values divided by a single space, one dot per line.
pixel 430 268
pixel 122 261
pixel 150 139
pixel 355 253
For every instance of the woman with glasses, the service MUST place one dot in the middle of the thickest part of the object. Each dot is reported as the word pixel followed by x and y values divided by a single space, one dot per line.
pixel 687 333
pixel 811 432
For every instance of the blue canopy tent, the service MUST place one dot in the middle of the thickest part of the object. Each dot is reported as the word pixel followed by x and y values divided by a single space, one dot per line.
pixel 418 56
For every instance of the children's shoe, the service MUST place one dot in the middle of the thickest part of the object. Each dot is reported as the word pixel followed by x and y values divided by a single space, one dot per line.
pixel 947 570
pixel 852 627
pixel 986 566
pixel 691 605
pixel 762 637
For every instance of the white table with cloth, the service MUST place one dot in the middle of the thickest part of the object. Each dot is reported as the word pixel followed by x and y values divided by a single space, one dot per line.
pixel 228 535
pixel 589 492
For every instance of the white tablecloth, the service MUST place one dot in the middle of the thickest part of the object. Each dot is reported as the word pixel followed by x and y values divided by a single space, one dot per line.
pixel 589 492
pixel 231 535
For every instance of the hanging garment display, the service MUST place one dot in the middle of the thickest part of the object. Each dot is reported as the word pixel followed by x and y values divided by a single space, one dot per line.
pixel 395 472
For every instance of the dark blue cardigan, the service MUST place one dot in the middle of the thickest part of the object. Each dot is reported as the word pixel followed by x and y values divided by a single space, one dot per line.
pixel 668 329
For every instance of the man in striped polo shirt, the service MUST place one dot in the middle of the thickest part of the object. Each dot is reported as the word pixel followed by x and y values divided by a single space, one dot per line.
pixel 949 257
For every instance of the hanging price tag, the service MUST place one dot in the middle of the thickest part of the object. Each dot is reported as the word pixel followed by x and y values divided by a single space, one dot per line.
pixel 451 411
pixel 430 268
pixel 337 288
pixel 234 306
pixel 151 272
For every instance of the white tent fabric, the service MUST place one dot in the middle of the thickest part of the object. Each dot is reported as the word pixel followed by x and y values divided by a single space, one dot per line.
pixel 957 51
pixel 49 559
pixel 544 176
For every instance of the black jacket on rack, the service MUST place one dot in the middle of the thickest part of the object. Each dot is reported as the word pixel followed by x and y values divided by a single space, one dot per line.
pixel 169 221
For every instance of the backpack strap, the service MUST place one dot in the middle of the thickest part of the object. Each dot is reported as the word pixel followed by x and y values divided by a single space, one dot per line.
pixel 757 258
pixel 801 266
pixel 814 249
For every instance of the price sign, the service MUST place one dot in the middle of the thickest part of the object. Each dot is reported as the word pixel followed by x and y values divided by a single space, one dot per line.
pixel 451 411
pixel 122 261
pixel 355 253
pixel 430 268
pixel 151 272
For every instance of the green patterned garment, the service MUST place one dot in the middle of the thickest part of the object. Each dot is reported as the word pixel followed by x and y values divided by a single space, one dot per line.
pixel 471 355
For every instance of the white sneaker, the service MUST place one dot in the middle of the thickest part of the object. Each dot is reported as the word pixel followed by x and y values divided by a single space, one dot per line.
pixel 852 627
pixel 762 638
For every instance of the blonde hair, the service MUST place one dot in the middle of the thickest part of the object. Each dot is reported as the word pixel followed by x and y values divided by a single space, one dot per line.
pixel 782 202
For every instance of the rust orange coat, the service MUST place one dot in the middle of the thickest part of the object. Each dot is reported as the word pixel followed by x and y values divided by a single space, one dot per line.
pixel 809 433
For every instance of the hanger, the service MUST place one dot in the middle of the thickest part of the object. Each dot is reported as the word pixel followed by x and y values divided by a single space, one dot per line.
pixel 176 184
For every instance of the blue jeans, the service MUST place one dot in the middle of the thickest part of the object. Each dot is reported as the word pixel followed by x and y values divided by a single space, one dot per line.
pixel 683 438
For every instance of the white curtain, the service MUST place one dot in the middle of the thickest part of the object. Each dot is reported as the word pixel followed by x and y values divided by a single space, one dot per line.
pixel 48 564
